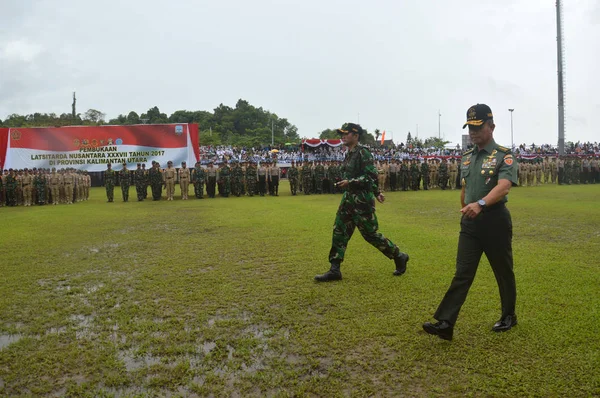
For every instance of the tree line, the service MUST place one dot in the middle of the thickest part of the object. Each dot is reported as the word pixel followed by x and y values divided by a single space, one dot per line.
pixel 244 125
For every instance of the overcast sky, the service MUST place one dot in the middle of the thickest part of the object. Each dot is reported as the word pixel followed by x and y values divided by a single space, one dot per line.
pixel 388 64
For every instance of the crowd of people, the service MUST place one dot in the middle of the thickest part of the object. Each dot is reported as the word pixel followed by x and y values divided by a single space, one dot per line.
pixel 229 171
pixel 285 154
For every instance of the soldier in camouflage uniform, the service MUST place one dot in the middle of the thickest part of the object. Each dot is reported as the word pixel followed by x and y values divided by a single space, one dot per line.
pixel 425 173
pixel 156 180
pixel 124 181
pixel 109 182
pixel 224 180
pixel 11 188
pixel 404 175
pixel 251 175
pixel 237 178
pixel 146 181
pixel 198 178
pixel 306 178
pixel 139 179
pixel 39 184
pixel 357 207
pixel 415 176
pixel 292 175
pixel 443 175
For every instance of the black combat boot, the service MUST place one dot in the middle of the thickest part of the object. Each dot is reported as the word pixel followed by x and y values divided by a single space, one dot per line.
pixel 333 274
pixel 401 259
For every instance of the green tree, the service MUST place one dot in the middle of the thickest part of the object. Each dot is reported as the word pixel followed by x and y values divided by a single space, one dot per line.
pixel 133 118
pixel 94 116
pixel 435 142
pixel 329 134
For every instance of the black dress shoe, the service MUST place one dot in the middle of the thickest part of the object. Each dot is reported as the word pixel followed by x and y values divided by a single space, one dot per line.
pixel 401 261
pixel 442 329
pixel 505 323
pixel 329 276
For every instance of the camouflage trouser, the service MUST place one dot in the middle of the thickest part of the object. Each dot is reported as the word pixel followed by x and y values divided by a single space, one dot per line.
pixel 358 214
pixel 110 188
pixel 294 185
pixel 199 189
pixel 125 191
pixel 139 189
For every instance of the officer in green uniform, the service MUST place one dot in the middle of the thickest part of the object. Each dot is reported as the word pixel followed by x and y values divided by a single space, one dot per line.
pixel 357 207
pixel 488 171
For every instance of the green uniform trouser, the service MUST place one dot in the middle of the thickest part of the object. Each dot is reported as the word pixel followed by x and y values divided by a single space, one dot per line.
pixel 358 211
pixel 489 233
pixel 125 191
pixel 110 188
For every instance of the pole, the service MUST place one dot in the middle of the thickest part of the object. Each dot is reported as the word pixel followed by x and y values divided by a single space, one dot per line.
pixel 561 94
pixel 272 133
pixel 512 143
pixel 439 125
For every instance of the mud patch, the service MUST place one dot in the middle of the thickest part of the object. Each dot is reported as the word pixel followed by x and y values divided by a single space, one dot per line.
pixel 8 339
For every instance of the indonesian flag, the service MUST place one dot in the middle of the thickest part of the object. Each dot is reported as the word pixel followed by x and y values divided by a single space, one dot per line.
pixel 383 137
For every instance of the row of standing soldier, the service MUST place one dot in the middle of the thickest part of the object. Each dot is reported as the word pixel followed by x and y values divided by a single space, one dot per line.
pixel 43 186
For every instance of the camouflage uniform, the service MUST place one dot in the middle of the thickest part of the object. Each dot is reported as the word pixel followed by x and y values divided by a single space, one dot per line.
pixel 357 207
pixel 124 181
pixel 225 180
pixel 156 181
pixel 251 178
pixel 11 188
pixel 306 179
pixel 426 175
pixel 292 175
pixel 237 179
pixel 443 175
pixel 109 182
pixel 140 180
pixel 198 178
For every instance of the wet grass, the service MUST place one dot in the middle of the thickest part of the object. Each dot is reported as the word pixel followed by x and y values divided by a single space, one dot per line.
pixel 215 297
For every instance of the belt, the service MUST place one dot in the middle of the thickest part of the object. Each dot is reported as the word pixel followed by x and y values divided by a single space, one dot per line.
pixel 494 207
pixel 25 185
pixel 169 178
pixel 183 178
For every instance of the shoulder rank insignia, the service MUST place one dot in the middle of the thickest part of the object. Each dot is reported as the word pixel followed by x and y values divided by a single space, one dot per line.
pixel 468 152
pixel 503 149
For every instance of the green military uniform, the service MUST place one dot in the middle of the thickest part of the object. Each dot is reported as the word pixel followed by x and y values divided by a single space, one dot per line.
pixel 292 175
pixel 225 180
pixel 156 181
pixel 489 232
pixel 443 175
pixel 237 179
pixel 425 174
pixel 109 183
pixel 357 210
pixel 139 179
pixel 306 178
pixel 251 178
pixel 124 181
pixel 198 178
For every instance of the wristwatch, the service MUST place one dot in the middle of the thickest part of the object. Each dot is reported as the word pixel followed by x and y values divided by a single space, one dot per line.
pixel 481 203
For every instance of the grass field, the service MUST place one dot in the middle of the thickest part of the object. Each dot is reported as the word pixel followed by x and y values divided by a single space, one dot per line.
pixel 216 297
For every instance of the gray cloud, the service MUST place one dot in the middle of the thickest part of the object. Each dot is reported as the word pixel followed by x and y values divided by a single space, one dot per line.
pixel 390 64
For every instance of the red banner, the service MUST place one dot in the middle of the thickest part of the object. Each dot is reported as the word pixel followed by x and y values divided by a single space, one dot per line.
pixel 93 147
pixel 3 145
